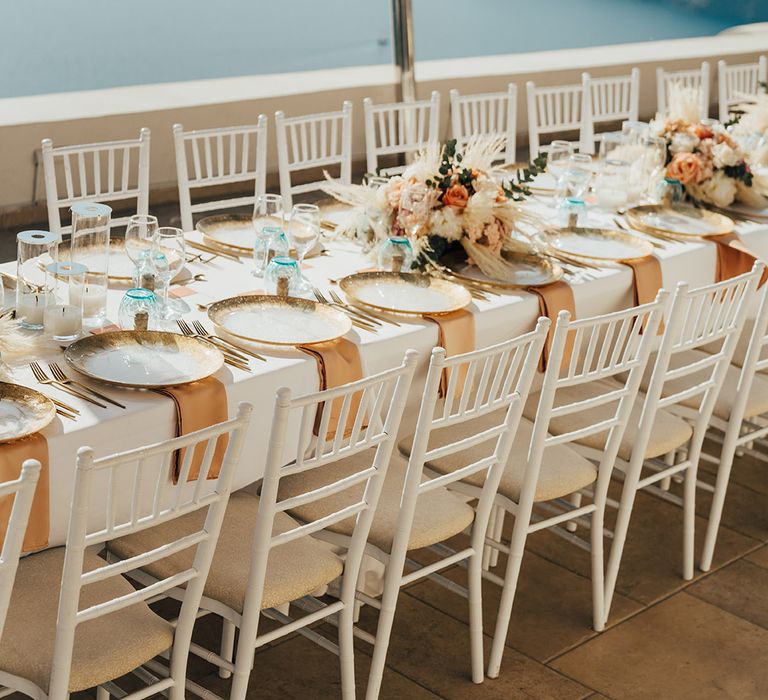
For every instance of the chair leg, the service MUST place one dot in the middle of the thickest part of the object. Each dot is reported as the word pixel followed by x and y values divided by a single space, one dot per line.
pixel 598 575
pixel 227 646
pixel 389 597
pixel 102 693
pixel 514 562
pixel 347 652
pixel 718 501
pixel 475 577
pixel 488 550
pixel 242 673
pixel 689 522
pixel 628 493
pixel 496 533
pixel 575 500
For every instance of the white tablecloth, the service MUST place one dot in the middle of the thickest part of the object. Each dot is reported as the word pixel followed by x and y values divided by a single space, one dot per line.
pixel 150 418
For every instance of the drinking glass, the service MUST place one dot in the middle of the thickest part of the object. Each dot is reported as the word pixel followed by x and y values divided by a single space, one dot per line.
pixel 138 310
pixel 612 185
pixel 669 192
pixel 303 234
pixel 168 258
pixel 654 162
pixel 557 157
pixel 140 236
pixel 268 214
pixel 415 206
pixel 572 212
pixel 396 255
pixel 282 277
pixel 609 142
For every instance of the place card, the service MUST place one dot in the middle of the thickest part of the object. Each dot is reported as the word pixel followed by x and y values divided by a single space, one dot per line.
pixel 109 328
pixel 180 292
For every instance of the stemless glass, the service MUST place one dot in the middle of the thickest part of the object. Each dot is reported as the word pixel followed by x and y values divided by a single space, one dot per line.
pixel 268 213
pixel 282 277
pixel 303 234
pixel 612 185
pixel 168 258
pixel 396 255
pixel 415 206
pixel 138 310
pixel 140 236
pixel 557 157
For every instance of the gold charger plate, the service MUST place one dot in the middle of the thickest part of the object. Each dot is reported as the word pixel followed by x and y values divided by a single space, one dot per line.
pixel 144 359
pixel 597 243
pixel 527 270
pixel 405 292
pixel 23 411
pixel 121 267
pixel 679 221
pixel 262 318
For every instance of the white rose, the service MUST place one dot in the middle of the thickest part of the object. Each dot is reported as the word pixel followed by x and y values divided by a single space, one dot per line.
pixel 724 155
pixel 683 143
pixel 719 190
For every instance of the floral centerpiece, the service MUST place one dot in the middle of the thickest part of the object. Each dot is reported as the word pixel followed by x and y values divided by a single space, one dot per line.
pixel 706 159
pixel 447 200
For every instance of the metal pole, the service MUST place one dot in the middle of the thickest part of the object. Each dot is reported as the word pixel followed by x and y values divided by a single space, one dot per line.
pixel 402 28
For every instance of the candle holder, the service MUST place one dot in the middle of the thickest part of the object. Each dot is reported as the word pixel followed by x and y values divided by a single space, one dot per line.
pixel 138 310
pixel 63 317
pixel 396 254
pixel 34 251
pixel 281 277
pixel 90 247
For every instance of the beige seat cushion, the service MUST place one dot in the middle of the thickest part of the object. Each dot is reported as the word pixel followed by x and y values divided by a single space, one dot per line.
pixel 294 569
pixel 669 431
pixel 563 470
pixel 757 402
pixel 742 346
pixel 105 648
pixel 439 513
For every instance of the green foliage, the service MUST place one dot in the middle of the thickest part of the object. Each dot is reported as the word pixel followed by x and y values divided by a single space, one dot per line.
pixel 516 188
pixel 739 172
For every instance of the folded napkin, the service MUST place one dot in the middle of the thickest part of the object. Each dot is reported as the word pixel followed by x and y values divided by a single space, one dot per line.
pixel 733 257
pixel 456 333
pixel 554 298
pixel 647 280
pixel 12 455
pixel 338 362
pixel 199 405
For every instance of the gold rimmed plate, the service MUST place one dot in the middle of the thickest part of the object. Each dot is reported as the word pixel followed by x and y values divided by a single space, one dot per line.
pixel 275 320
pixel 23 411
pixel 144 359
pixel 744 211
pixel 405 292
pixel 679 221
pixel 523 270
pixel 121 267
pixel 597 244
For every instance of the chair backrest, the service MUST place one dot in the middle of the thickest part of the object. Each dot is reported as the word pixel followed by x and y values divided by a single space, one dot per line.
pixel 369 416
pixel 713 316
pixel 490 113
pixel 490 384
pixel 613 346
pixel 141 480
pixel 552 110
pixel 735 83
pixel 111 171
pixel 696 78
pixel 615 98
pixel 223 156
pixel 313 142
pixel 399 129
pixel 22 492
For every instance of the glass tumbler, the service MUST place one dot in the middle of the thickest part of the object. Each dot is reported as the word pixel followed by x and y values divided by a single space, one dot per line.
pixel 138 310
pixel 282 277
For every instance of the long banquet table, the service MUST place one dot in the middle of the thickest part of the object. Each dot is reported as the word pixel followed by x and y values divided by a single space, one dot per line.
pixel 150 418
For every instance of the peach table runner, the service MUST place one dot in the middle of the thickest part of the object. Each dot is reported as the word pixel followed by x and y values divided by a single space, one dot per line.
pixel 12 455
pixel 647 280
pixel 554 298
pixel 199 405
pixel 733 257
pixel 338 362
pixel 455 333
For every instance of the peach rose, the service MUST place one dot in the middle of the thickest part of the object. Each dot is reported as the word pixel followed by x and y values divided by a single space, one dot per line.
pixel 686 167
pixel 394 192
pixel 703 132
pixel 456 196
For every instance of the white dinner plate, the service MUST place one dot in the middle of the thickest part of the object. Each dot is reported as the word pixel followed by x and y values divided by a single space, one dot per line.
pixel 597 244
pixel 23 411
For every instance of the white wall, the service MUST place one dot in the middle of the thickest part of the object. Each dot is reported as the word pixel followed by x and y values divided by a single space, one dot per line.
pixel 82 117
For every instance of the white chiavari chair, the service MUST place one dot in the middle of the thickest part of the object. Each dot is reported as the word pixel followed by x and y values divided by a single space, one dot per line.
pixel 488 114
pixel 613 99
pixel 399 129
pixel 480 410
pixel 553 110
pixel 313 142
pixel 739 422
pixel 545 477
pixel 216 157
pixel 108 172
pixel 696 78
pixel 280 563
pixel 736 83
pixel 678 377
pixel 52 646
pixel 22 491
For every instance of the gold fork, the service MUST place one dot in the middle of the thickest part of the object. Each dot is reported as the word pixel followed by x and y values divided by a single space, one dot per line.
pixel 363 313
pixel 200 328
pixel 229 358
pixel 359 320
pixel 59 375
pixel 43 378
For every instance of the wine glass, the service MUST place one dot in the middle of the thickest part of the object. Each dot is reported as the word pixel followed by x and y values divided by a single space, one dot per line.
pixel 415 206
pixel 168 256
pixel 557 157
pixel 139 236
pixel 303 234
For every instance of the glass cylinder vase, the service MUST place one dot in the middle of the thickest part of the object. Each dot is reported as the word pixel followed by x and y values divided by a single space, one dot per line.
pixel 35 250
pixel 90 247
pixel 63 317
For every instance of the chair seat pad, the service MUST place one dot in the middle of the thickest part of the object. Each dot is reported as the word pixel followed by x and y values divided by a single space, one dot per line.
pixel 105 648
pixel 669 431
pixel 757 401
pixel 294 569
pixel 439 513
pixel 563 470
